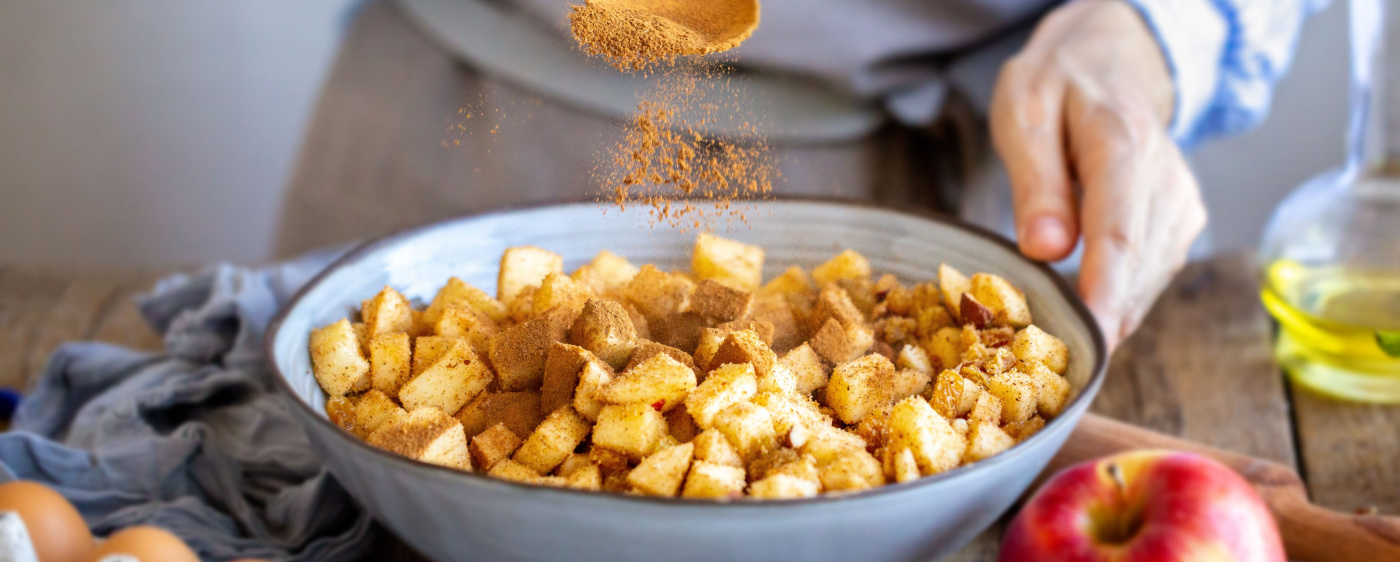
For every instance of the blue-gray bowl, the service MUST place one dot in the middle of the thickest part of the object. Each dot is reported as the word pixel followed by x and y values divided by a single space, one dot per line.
pixel 450 515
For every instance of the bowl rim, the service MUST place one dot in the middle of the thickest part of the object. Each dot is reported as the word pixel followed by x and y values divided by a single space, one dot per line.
pixel 1074 410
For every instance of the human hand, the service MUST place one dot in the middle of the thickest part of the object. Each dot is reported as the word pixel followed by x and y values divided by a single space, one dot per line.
pixel 1087 100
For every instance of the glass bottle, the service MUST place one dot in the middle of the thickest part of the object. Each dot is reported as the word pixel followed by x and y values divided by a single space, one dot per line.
pixel 1331 251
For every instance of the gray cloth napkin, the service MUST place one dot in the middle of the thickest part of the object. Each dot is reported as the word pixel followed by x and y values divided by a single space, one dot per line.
pixel 195 439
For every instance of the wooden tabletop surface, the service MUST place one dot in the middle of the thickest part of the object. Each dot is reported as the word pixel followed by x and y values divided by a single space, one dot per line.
pixel 1201 367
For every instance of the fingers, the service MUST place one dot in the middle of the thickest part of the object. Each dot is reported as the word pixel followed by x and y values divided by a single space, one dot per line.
pixel 1141 210
pixel 1028 133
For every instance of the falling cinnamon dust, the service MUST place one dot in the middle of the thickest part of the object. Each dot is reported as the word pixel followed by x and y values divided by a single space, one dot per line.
pixel 668 161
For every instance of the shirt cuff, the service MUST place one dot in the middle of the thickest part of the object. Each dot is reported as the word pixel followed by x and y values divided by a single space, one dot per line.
pixel 1193 35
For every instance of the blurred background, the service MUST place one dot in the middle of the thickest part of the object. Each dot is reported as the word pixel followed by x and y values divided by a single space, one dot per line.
pixel 155 132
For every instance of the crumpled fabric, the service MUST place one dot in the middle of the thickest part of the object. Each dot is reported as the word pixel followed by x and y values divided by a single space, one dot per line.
pixel 194 439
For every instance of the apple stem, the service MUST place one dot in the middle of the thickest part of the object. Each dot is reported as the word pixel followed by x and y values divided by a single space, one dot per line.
pixel 1117 475
pixel 1125 522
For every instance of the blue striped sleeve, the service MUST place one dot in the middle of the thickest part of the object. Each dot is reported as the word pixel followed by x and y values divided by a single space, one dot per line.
pixel 1225 57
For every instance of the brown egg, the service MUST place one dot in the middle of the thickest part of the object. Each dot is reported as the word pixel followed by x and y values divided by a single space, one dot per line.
pixel 59 534
pixel 147 544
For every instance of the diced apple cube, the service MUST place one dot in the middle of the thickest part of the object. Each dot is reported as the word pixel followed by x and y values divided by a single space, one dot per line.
pixel 375 410
pixel 562 366
pixel 915 358
pixel 661 473
pixel 658 294
pixel 730 261
pixel 851 471
pixel 390 359
pixel 952 284
pixel 908 382
pixel 859 386
pixel 607 272
pixel 790 410
pixel 807 368
pixel 1019 395
pixel 457 377
pixel 661 383
pixel 985 440
pixel 1033 344
pixel 905 468
pixel 493 445
pixel 1007 303
pixel 553 441
pixel 605 329
pixel 745 346
pixel 838 344
pixel 776 312
pixel 507 469
pixel 585 478
pixel 726 385
pixel 519 411
pixel 784 487
pixel 793 281
pixel 588 396
pixel 706 347
pixel 558 289
pixel 916 427
pixel 648 349
pixel 714 481
pixel 987 409
pixel 525 266
pixel 464 323
pixel 427 435
pixel 631 429
pixel 337 360
pixel 749 427
pixel 1052 390
pixel 718 302
pixel 826 443
pixel 519 353
pixel 848 264
pixel 386 313
pixel 427 350
pixel 713 446
pixel 458 294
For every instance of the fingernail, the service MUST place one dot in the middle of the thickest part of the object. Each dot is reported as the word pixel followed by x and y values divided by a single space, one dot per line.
pixel 1046 232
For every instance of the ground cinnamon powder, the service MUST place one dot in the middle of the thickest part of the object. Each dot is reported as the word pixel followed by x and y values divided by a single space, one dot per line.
pixel 631 39
pixel 667 160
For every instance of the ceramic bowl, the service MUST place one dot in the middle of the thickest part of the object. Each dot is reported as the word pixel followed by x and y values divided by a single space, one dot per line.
pixel 450 515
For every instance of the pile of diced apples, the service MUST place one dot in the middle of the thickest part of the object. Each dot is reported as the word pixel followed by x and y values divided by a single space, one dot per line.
pixel 702 384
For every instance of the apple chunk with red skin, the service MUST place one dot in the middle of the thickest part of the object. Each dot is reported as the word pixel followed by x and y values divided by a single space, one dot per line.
pixel 1145 506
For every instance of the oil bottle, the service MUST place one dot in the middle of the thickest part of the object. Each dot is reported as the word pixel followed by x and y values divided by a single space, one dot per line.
pixel 1331 251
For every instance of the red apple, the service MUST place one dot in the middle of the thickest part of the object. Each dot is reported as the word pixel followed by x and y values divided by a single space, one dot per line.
pixel 1145 506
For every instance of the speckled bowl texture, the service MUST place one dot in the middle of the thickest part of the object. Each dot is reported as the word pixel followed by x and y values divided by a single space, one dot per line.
pixel 450 515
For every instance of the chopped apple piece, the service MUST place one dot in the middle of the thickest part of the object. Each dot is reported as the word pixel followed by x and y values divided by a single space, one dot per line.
pixel 729 261
pixel 848 264
pixel 337 360
pixel 457 377
pixel 661 473
pixel 860 386
pixel 726 385
pixel 553 441
pixel 714 481
pixel 525 266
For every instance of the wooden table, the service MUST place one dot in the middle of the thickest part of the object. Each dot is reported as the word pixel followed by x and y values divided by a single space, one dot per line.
pixel 1201 368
